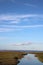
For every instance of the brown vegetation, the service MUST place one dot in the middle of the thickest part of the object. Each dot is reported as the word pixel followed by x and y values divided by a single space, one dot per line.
pixel 10 57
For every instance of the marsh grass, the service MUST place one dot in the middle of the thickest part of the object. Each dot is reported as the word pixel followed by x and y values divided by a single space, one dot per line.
pixel 10 57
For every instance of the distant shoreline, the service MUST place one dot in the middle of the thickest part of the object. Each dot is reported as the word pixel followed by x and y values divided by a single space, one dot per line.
pixel 20 51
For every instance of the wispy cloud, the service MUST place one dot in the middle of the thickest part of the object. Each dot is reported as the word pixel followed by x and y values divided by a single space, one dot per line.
pixel 26 46
pixel 19 17
pixel 9 29
pixel 30 5
pixel 5 29
pixel 14 22
pixel 18 28
pixel 22 26
pixel 22 44
pixel 14 17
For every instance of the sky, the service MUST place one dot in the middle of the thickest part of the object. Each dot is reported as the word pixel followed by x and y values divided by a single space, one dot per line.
pixel 21 24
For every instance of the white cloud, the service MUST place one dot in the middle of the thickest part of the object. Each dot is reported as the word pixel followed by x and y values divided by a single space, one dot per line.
pixel 19 17
pixel 24 26
pixel 8 22
pixel 21 44
pixel 25 46
pixel 16 17
pixel 9 29
pixel 14 22
pixel 30 26
pixel 31 5
pixel 5 29
pixel 18 28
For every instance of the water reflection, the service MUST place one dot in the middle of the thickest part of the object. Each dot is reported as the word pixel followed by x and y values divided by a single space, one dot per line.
pixel 32 59
pixel 39 56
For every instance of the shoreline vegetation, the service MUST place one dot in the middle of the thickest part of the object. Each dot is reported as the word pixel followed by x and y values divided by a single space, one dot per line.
pixel 13 57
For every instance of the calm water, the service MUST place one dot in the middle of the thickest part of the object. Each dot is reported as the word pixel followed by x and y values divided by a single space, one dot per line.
pixel 32 59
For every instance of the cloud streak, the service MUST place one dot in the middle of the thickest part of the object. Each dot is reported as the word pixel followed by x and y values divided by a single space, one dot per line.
pixel 26 46
pixel 22 44
pixel 30 26
pixel 30 5
pixel 18 28
pixel 14 17
pixel 19 17
pixel 9 29
pixel 26 26
pixel 14 22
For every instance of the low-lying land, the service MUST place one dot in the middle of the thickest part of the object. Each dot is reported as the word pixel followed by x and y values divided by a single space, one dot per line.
pixel 10 57
pixel 13 57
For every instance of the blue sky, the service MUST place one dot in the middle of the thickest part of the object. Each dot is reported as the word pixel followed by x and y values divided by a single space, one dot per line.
pixel 21 22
